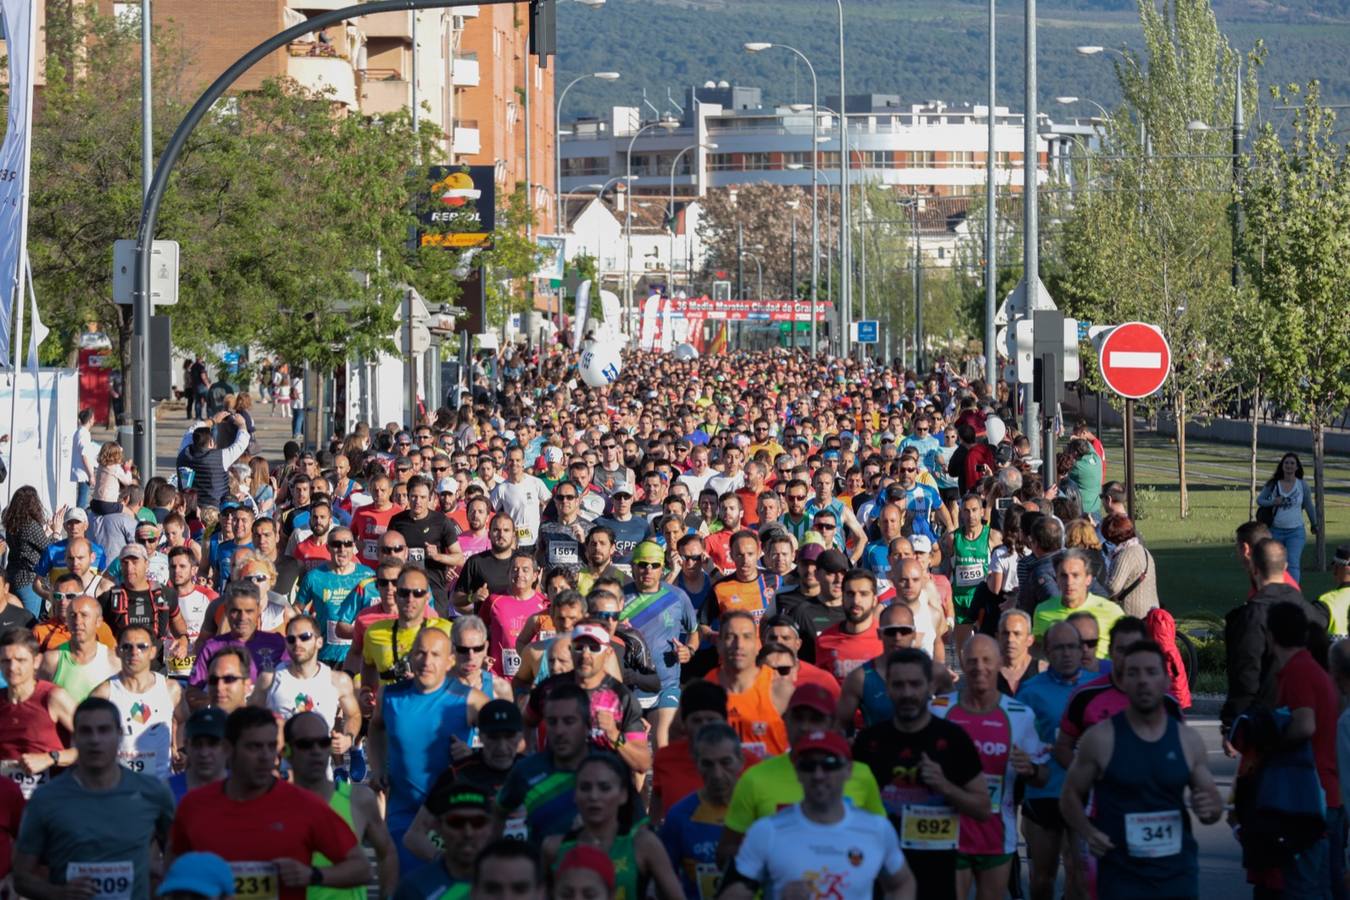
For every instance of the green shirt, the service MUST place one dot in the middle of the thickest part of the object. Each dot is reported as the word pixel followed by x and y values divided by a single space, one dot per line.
pixel 1105 611
pixel 768 786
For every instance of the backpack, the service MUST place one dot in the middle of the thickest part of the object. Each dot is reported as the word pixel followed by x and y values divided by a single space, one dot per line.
pixel 1162 628
pixel 121 608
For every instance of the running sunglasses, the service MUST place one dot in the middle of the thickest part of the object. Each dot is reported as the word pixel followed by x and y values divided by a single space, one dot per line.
pixel 302 637
pixel 309 744
pixel 901 630
pixel 819 764
pixel 413 592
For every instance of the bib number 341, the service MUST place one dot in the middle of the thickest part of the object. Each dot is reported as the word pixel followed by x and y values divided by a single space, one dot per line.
pixel 1154 834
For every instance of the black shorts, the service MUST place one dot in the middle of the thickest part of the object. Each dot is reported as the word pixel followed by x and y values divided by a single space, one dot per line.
pixel 1044 812
pixel 949 495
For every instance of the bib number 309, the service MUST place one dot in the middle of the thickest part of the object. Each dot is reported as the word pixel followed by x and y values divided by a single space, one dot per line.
pixel 112 880
pixel 1151 835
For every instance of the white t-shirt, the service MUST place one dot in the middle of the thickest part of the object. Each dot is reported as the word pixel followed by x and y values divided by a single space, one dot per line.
pixel 841 860
pixel 83 453
pixel 1004 560
pixel 523 503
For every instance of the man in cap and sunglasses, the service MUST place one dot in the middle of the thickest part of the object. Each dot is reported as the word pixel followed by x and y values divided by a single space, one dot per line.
pixel 464 826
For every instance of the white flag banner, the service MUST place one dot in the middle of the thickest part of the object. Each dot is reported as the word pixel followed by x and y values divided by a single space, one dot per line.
pixel 37 333
pixel 20 41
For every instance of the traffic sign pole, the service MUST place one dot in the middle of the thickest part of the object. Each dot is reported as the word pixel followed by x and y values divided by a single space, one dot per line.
pixel 1134 359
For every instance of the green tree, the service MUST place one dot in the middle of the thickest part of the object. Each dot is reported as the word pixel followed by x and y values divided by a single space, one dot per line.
pixel 511 261
pixel 1295 251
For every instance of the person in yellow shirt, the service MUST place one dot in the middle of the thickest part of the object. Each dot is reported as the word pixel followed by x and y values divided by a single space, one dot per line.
pixel 1338 598
pixel 388 643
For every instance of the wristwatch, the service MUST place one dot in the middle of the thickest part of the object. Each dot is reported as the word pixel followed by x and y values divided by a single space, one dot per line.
pixel 619 740
pixel 56 757
pixel 315 876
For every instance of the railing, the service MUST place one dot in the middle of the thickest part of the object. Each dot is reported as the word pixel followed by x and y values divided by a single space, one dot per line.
pixel 382 74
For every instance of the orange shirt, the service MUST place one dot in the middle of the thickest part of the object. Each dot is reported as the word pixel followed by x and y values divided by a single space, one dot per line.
pixel 51 635
pixel 750 505
pixel 754 597
pixel 754 717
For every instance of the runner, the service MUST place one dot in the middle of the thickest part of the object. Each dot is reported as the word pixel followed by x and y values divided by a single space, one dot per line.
pixel 542 785
pixel 469 637
pixel 844 647
pixel 371 521
pixel 205 752
pixel 82 663
pixel 306 685
pixel 243 612
pixel 930 775
pixel 1004 733
pixel 388 642
pixel 91 832
pixel 1016 664
pixel 693 826
pixel 968 551
pixel 1074 574
pixel 267 829
pixel 756 700
pixel 488 573
pixel 504 614
pixel 463 824
pixel 1138 764
pixel 192 602
pixel 665 617
pixel 840 850
pixel 33 716
pixel 309 749
pixel 744 588
pixel 864 693
pixel 324 591
pixel 146 704
pixel 560 539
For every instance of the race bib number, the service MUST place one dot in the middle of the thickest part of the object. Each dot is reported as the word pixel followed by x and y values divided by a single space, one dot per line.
pixel 510 661
pixel 255 880
pixel 143 761
pixel 969 574
pixel 525 535
pixel 112 880
pixel 707 876
pixel 995 783
pixel 26 781
pixel 417 554
pixel 1150 835
pixel 179 666
pixel 562 553
pixel 515 826
pixel 331 636
pixel 370 549
pixel 929 827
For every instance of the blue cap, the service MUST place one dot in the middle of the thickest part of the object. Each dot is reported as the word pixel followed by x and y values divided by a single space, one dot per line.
pixel 198 873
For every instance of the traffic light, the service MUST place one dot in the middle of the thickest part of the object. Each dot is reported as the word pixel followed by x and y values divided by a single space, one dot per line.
pixel 543 29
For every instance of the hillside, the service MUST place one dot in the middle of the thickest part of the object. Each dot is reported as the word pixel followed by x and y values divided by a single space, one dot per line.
pixel 920 49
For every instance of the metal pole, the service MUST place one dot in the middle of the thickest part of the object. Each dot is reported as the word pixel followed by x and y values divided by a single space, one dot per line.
pixel 845 239
pixel 918 302
pixel 740 262
pixel 829 257
pixel 862 272
pixel 1129 456
pixel 792 279
pixel 409 360
pixel 1030 228
pixel 990 227
pixel 914 232
pixel 143 440
pixel 628 228
pixel 1237 173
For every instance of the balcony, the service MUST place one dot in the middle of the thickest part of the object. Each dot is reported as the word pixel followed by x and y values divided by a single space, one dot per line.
pixel 465 12
pixel 330 75
pixel 467 140
pixel 384 91
pixel 388 25
pixel 464 71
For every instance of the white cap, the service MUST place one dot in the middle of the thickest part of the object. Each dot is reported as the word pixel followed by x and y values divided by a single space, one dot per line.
pixel 447 486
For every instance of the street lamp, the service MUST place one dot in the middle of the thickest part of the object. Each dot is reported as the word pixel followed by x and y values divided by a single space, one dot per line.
pixel 557 128
pixel 845 239
pixel 759 273
pixel 1069 101
pixel 670 209
pixel 669 124
pixel 757 47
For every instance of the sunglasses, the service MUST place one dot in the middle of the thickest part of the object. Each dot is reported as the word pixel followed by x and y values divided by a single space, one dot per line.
pixel 405 593
pixel 782 670
pixel 339 545
pixel 467 650
pixel 302 637
pixel 646 565
pixel 440 468
pixel 461 822
pixel 823 764
pixel 607 616
pixel 564 496
pixel 260 578
pixel 60 596
pixel 908 469
pixel 825 526
pixel 585 646
pixel 141 646
pixel 893 630
pixel 149 542
pixel 391 548
pixel 308 744
pixel 386 582
pixel 696 560
pixel 796 496
pixel 224 679
pixel 1090 644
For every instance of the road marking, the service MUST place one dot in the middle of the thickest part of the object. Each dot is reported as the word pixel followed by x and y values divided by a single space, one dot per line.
pixel 1131 359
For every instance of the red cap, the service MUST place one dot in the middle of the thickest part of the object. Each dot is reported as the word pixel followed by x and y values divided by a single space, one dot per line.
pixel 813 696
pixel 584 856
pixel 824 742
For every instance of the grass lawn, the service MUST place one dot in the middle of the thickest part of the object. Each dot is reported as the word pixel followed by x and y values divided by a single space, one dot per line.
pixel 1198 575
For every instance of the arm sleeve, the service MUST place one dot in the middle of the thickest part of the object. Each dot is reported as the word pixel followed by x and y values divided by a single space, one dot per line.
pixel 230 455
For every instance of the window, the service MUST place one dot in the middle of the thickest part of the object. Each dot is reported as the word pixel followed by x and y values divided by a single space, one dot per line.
pixel 962 159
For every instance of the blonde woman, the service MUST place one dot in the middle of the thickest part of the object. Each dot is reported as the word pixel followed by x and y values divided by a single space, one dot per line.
pixel 262 487
pixel 113 473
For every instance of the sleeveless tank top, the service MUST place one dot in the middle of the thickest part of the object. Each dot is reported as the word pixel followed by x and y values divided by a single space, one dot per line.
pixel 419 728
pixel 876 705
pixel 78 679
pixel 628 881
pixel 340 803
pixel 147 721
pixel 1140 805
pixel 27 727
pixel 290 694
pixel 755 718
pixel 970 565
pixel 486 686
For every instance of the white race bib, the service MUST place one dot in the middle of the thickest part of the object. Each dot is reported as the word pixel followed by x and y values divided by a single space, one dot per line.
pixel 925 827
pixel 27 782
pixel 510 661
pixel 417 554
pixel 968 574
pixel 370 549
pixel 995 783
pixel 331 636
pixel 143 761
pixel 562 553
pixel 112 880
pixel 1151 835
pixel 255 880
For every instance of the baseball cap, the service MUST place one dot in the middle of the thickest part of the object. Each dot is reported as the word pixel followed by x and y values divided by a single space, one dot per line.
pixel 822 742
pixel 403 438
pixel 813 696
pixel 921 543
pixel 809 552
pixel 500 715
pixel 135 550
pixel 590 632
pixel 833 560
pixel 649 551
pixel 447 486
pixel 593 859
pixel 887 436
pixel 209 721
pixel 75 514
pixel 1342 557
pixel 204 874
pixel 622 487
pixel 553 454
pixel 449 794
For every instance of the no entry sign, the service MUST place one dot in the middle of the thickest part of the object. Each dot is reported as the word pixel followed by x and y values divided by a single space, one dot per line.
pixel 1134 359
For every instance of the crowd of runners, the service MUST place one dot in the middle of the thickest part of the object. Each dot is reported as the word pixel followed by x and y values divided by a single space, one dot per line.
pixel 760 623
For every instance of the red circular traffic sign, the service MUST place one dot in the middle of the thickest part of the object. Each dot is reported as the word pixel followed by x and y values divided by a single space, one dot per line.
pixel 1134 359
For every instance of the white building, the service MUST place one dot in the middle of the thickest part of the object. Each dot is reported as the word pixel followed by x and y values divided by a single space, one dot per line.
pixel 596 229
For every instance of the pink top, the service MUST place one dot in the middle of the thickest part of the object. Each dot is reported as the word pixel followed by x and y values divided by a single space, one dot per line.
pixel 505 615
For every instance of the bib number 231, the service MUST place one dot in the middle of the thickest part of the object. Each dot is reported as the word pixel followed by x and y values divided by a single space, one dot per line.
pixel 255 880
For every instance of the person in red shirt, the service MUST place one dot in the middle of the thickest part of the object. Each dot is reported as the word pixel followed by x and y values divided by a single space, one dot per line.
pixel 312 551
pixel 844 646
pixel 268 830
pixel 731 513
pixel 749 493
pixel 674 773
pixel 372 520
pixel 1307 690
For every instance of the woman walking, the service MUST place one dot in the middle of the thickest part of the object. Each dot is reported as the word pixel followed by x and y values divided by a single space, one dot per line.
pixel 1287 497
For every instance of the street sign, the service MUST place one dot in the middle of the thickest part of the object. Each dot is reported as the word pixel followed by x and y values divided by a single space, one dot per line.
pixel 163 272
pixel 1020 342
pixel 865 331
pixel 1134 359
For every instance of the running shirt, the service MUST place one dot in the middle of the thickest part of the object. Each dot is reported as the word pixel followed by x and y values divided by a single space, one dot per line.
pixel 323 594
pixel 147 726
pixel 193 605
pixel 505 615
pixel 662 617
pixel 378 646
pixel 290 694
pixel 546 794
pixel 690 833
pixel 432 882
pixel 995 734
pixel 627 535
pixel 1047 696
pixel 368 525
pixel 1051 611
pixel 419 726
pixel 772 785
pixel 697 598
pixel 560 543
pixel 1098 701
pixel 839 653
pixel 875 705
pixel 435 530
pixel 929 828
pixel 340 803
pixel 840 860
pixel 922 501
pixel 755 597
pixel 754 717
pixel 79 679
pixel 523 502
pixel 970 565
